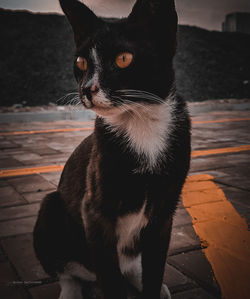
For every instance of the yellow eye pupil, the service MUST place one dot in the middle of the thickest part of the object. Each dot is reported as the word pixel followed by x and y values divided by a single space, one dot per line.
pixel 123 60
pixel 82 64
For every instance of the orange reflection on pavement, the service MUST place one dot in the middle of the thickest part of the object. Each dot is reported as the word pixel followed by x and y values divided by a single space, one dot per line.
pixel 44 131
pixel 223 231
pixel 224 120
pixel 30 170
pixel 217 151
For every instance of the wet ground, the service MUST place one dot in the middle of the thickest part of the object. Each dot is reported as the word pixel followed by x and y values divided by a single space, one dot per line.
pixel 210 237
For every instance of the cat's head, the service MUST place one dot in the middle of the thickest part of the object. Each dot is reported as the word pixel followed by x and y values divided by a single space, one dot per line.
pixel 119 62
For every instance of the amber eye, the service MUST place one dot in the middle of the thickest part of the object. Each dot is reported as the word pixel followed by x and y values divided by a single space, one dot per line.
pixel 82 63
pixel 124 59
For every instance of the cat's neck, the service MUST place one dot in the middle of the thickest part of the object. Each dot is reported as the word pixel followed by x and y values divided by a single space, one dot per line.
pixel 145 130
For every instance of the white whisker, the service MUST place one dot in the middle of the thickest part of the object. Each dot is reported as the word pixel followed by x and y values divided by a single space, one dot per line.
pixel 64 98
pixel 139 94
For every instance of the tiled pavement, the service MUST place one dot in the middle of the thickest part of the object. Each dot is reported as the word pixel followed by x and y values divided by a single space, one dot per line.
pixel 189 274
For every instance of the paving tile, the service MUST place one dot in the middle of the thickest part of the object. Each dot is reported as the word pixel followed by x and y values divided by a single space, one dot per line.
pixel 33 138
pixel 36 196
pixel 235 194
pixel 9 196
pixel 19 211
pixel 215 143
pixel 44 150
pixel 239 198
pixel 48 291
pixel 174 279
pixel 194 294
pixel 9 286
pixel 11 152
pixel 2 256
pixel 66 151
pixel 21 254
pixel 237 176
pixel 218 162
pixel 237 182
pixel 3 183
pixel 9 162
pixel 27 157
pixel 58 145
pixel 217 173
pixel 180 204
pixel 182 239
pixel 48 160
pixel 6 144
pixel 52 177
pixel 237 171
pixel 196 266
pixel 30 183
pixel 203 164
pixel 17 227
pixel 181 218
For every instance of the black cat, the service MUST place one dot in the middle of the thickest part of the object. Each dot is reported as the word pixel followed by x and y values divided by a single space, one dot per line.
pixel 111 216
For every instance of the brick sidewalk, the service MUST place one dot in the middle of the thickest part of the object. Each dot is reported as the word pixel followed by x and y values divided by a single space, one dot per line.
pixel 189 274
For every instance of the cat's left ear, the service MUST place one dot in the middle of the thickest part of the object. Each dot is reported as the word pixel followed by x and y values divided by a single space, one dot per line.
pixel 81 18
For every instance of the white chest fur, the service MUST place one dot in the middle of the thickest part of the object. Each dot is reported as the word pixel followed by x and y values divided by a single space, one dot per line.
pixel 146 128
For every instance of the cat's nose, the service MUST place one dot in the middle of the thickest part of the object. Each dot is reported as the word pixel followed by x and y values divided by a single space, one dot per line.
pixel 90 91
pixel 94 88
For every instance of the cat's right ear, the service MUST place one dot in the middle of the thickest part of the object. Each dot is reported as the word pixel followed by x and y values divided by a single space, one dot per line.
pixel 81 18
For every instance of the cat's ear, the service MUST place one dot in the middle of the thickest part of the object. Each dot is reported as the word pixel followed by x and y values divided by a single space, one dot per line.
pixel 154 12
pixel 81 18
pixel 159 18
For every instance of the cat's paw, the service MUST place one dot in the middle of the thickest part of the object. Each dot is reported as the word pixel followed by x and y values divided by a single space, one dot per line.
pixel 165 293
pixel 70 296
pixel 70 289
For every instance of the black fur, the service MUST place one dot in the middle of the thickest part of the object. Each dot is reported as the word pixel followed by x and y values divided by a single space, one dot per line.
pixel 101 169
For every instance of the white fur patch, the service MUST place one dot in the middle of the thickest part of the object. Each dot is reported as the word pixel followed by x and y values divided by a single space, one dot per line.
pixel 146 128
pixel 128 228
pixel 77 270
pixel 132 269
pixel 96 59
pixel 133 272
pixel 165 293
pixel 97 68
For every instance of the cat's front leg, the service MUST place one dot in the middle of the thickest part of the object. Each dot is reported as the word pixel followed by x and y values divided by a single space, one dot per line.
pixel 102 243
pixel 155 243
pixel 70 288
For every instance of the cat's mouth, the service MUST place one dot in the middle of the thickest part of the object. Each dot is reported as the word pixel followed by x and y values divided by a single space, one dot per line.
pixel 100 105
pixel 96 102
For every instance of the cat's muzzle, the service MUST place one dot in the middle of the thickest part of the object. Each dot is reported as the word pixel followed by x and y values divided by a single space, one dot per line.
pixel 89 92
pixel 87 103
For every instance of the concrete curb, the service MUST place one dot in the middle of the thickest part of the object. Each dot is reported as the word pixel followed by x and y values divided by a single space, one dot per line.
pixel 46 116
pixel 209 106
pixel 86 115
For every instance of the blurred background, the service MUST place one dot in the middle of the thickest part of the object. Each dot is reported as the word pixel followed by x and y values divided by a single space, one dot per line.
pixel 212 62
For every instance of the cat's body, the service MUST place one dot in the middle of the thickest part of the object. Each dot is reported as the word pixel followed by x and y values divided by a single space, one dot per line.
pixel 112 213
